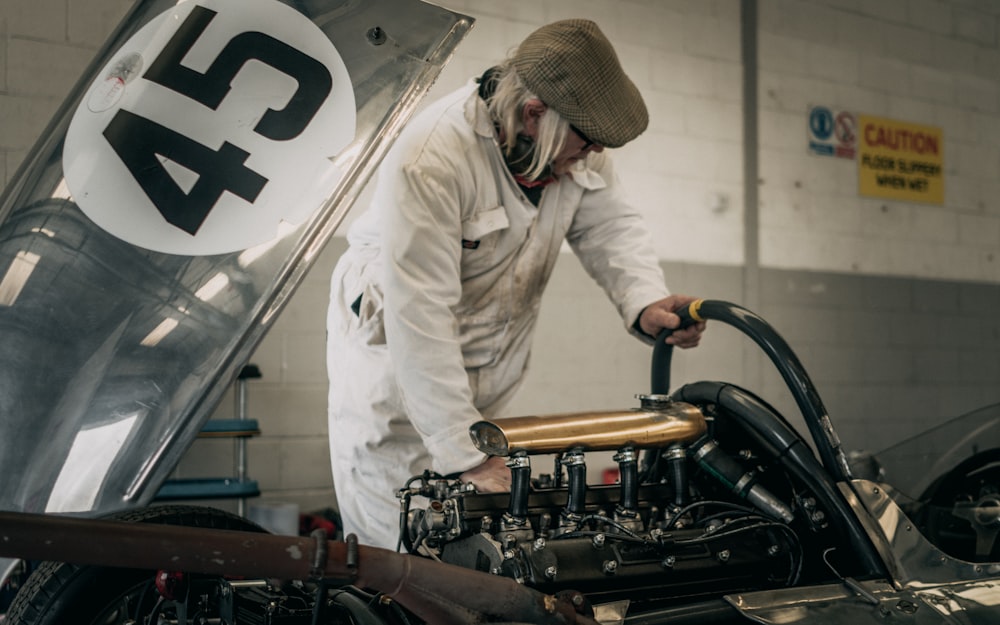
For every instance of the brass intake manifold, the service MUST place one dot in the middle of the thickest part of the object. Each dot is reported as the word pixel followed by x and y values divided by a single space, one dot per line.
pixel 656 424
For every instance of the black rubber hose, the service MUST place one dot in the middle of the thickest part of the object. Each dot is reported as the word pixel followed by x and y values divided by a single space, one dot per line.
pixel 768 429
pixel 360 610
pixel 577 488
pixel 678 474
pixel 629 488
pixel 659 384
pixel 659 375
pixel 784 359
pixel 520 486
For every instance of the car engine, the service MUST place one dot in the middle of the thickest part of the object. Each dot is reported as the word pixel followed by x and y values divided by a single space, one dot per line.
pixel 691 516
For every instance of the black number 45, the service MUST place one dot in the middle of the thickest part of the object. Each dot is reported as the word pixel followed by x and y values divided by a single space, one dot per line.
pixel 139 141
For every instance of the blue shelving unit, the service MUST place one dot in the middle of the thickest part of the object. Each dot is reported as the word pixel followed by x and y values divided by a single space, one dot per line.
pixel 240 429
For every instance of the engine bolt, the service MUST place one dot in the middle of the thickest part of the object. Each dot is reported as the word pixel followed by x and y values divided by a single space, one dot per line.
pixel 598 540
pixel 551 572
pixel 508 554
pixel 539 543
pixel 610 567
pixel 906 607
pixel 723 556
pixel 818 516
pixel 509 540
pixel 773 550
pixel 668 562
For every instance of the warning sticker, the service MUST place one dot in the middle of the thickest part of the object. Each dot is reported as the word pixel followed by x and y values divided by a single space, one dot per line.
pixel 902 161
pixel 832 132
pixel 212 129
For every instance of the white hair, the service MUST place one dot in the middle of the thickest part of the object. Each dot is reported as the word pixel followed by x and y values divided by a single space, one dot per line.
pixel 506 106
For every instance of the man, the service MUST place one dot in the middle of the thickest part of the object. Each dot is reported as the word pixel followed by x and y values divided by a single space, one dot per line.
pixel 434 304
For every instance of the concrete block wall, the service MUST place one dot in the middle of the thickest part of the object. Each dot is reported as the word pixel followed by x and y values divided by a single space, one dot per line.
pixel 45 47
pixel 891 357
pixel 926 62
pixel 891 306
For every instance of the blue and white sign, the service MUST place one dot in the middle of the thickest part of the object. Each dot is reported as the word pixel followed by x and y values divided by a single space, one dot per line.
pixel 832 132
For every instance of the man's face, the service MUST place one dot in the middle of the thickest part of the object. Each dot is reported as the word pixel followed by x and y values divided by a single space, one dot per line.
pixel 576 148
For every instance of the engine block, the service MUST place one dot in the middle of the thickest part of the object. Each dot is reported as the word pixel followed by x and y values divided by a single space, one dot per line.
pixel 649 553
pixel 603 557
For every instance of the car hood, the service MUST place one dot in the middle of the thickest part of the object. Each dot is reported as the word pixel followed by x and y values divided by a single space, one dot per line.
pixel 168 213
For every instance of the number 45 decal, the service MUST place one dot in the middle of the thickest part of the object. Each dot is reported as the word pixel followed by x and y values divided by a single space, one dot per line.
pixel 139 141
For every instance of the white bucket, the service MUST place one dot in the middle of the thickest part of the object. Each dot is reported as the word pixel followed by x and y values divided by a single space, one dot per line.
pixel 275 516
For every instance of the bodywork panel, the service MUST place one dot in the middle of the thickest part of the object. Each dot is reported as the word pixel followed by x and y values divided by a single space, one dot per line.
pixel 168 213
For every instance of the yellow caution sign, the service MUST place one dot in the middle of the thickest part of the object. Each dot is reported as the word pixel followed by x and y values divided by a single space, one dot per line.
pixel 900 161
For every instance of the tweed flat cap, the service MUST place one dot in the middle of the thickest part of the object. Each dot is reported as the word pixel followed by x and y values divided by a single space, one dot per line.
pixel 571 66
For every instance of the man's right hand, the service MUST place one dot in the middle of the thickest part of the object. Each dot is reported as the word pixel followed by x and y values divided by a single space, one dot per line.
pixel 492 476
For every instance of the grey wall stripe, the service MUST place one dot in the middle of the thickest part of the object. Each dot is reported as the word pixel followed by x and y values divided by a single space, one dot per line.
pixel 751 174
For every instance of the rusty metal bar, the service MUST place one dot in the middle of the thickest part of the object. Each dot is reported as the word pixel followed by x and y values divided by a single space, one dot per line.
pixel 434 591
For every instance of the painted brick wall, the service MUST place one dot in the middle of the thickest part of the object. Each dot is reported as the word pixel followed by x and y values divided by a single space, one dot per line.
pixel 889 356
pixel 922 61
pixel 45 46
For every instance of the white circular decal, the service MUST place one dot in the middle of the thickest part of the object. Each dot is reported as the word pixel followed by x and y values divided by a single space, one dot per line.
pixel 212 125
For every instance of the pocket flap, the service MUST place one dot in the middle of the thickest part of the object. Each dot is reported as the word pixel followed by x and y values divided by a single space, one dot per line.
pixel 484 222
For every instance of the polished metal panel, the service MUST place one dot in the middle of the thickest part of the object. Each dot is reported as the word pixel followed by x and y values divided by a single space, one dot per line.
pixel 968 602
pixel 860 602
pixel 928 586
pixel 837 604
pixel 114 354
pixel 674 422
pixel 915 562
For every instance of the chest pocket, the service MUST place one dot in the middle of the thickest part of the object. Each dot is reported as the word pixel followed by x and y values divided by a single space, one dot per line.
pixel 480 316
pixel 482 224
pixel 481 234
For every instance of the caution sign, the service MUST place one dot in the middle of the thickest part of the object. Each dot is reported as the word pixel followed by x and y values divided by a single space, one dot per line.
pixel 900 161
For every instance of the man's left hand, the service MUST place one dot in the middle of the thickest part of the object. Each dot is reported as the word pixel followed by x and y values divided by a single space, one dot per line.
pixel 662 314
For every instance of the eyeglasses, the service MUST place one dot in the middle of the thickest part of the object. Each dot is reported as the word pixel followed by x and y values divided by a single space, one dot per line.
pixel 587 141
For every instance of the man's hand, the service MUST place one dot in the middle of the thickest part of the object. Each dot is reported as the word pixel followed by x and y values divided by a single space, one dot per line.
pixel 660 315
pixel 492 476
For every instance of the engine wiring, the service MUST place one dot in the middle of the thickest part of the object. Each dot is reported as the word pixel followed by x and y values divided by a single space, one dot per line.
pixel 795 552
pixel 604 519
pixel 745 520
pixel 679 514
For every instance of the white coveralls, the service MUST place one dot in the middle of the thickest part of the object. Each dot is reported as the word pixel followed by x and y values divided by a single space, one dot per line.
pixel 450 263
